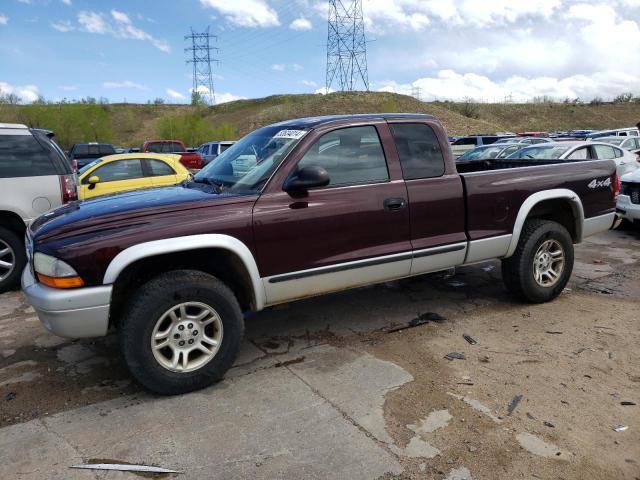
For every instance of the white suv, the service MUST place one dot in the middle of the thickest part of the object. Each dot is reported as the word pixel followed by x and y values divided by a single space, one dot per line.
pixel 35 177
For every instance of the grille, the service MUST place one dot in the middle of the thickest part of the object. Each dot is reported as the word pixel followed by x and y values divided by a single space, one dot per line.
pixel 631 189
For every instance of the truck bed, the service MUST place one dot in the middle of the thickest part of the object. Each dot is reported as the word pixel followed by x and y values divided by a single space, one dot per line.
pixel 496 189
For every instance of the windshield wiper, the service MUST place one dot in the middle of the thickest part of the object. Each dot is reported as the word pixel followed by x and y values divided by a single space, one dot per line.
pixel 217 186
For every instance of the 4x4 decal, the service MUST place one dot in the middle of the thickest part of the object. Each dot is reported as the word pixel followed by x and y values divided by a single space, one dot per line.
pixel 595 183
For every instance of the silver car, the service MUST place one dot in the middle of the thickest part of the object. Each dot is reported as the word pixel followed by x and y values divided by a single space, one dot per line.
pixel 210 150
pixel 35 177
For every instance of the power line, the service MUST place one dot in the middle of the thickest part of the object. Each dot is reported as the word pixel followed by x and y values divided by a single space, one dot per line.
pixel 200 56
pixel 416 92
pixel 346 46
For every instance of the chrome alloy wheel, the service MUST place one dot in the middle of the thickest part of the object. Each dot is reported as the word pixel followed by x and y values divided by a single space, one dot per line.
pixel 548 263
pixel 7 260
pixel 187 337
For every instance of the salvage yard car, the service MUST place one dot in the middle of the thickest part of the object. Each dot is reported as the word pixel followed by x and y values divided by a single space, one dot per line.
pixel 629 199
pixel 82 154
pixel 190 160
pixel 497 150
pixel 130 171
pixel 341 202
pixel 35 176
pixel 626 161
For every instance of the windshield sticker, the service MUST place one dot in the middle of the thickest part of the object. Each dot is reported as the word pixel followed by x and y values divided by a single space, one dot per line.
pixel 292 134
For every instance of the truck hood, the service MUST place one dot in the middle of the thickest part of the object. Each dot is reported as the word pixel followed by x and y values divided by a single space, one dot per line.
pixel 110 211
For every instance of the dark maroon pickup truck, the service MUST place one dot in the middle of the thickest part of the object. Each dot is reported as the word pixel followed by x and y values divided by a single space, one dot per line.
pixel 296 209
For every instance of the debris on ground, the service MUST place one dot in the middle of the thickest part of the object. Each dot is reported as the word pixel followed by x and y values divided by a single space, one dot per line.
pixel 289 362
pixel 627 404
pixel 10 396
pixel 484 359
pixel 470 339
pixel 488 268
pixel 455 356
pixel 548 424
pixel 619 428
pixel 421 319
pixel 554 332
pixel 514 403
pixel 124 467
pixel 530 417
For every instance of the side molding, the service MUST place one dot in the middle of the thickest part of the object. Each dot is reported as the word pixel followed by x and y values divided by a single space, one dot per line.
pixel 533 200
pixel 191 242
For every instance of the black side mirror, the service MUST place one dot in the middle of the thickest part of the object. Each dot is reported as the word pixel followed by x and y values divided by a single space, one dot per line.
pixel 306 178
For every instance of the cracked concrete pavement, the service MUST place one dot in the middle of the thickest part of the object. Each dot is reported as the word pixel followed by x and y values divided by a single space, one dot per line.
pixel 330 388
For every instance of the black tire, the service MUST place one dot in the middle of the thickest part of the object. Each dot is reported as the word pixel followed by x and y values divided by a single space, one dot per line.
pixel 17 256
pixel 148 305
pixel 518 270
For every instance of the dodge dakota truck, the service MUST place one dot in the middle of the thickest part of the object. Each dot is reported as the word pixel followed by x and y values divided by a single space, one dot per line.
pixel 296 209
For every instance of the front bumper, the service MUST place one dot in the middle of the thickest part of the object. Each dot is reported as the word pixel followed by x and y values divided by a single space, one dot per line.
pixel 628 210
pixel 74 313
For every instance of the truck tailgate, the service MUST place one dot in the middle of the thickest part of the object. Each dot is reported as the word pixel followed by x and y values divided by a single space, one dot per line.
pixel 494 197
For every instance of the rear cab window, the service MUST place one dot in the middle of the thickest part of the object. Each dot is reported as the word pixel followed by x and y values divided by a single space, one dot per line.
pixel 418 149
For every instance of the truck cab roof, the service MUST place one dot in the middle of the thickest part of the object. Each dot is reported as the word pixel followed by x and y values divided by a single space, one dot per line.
pixel 313 122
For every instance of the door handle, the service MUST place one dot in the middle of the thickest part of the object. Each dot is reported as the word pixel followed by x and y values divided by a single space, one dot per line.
pixel 392 204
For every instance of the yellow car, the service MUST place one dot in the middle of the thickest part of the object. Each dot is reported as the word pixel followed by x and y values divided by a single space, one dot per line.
pixel 129 171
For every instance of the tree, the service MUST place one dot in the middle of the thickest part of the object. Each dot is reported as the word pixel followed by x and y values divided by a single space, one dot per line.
pixel 197 98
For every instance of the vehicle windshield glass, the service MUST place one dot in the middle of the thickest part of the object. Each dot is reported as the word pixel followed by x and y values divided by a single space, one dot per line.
pixel 551 152
pixel 248 164
pixel 89 165
pixel 483 153
pixel 508 140
pixel 164 147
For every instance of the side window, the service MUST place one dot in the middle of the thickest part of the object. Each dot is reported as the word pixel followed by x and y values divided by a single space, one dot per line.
pixel 466 141
pixel 81 150
pixel 351 156
pixel 489 140
pixel 618 152
pixel 23 156
pixel 418 149
pixel 119 170
pixel 508 151
pixel 580 154
pixel 604 152
pixel 634 133
pixel 158 168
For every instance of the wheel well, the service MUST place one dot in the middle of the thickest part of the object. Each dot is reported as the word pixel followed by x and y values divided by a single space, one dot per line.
pixel 558 210
pixel 221 263
pixel 12 221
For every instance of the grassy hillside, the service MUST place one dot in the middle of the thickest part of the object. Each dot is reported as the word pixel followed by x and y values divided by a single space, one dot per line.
pixel 130 125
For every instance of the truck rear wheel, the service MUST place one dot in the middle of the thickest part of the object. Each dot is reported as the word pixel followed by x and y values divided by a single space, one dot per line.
pixel 181 332
pixel 542 264
pixel 13 259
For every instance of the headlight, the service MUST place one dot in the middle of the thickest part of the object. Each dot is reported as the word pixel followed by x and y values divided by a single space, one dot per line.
pixel 54 272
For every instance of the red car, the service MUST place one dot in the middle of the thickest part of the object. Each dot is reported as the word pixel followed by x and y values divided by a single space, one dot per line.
pixel 190 160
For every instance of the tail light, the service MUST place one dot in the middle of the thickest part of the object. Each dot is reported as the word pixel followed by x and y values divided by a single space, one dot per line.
pixel 616 188
pixel 74 165
pixel 69 188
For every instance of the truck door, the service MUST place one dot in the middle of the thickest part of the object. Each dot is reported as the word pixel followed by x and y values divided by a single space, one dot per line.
pixel 436 197
pixel 354 231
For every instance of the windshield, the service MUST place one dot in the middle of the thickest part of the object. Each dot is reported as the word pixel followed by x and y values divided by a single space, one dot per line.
pixel 164 147
pixel 508 140
pixel 89 165
pixel 482 153
pixel 545 152
pixel 248 164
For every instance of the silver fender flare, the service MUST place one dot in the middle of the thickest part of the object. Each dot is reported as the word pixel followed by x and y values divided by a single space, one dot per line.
pixel 533 200
pixel 191 242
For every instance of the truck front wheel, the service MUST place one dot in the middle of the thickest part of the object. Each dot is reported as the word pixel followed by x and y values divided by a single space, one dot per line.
pixel 542 264
pixel 181 332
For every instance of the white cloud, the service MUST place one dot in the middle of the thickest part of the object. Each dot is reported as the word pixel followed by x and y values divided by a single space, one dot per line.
pixel 66 2
pixel 175 94
pixel 301 24
pixel 26 2
pixel 309 83
pixel 119 26
pixel 125 84
pixel 62 26
pixel 226 97
pixel 68 88
pixel 27 93
pixel 450 85
pixel 245 13
pixel 324 91
pixel 3 19
pixel 281 67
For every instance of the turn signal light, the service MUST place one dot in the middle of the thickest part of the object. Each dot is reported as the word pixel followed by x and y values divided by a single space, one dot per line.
pixel 62 282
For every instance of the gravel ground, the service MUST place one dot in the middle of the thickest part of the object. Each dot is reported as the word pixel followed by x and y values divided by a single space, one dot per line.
pixel 569 370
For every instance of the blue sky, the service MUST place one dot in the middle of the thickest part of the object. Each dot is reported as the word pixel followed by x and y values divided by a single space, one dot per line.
pixel 484 49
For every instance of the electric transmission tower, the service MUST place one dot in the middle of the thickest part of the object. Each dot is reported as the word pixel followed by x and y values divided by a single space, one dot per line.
pixel 346 46
pixel 200 56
